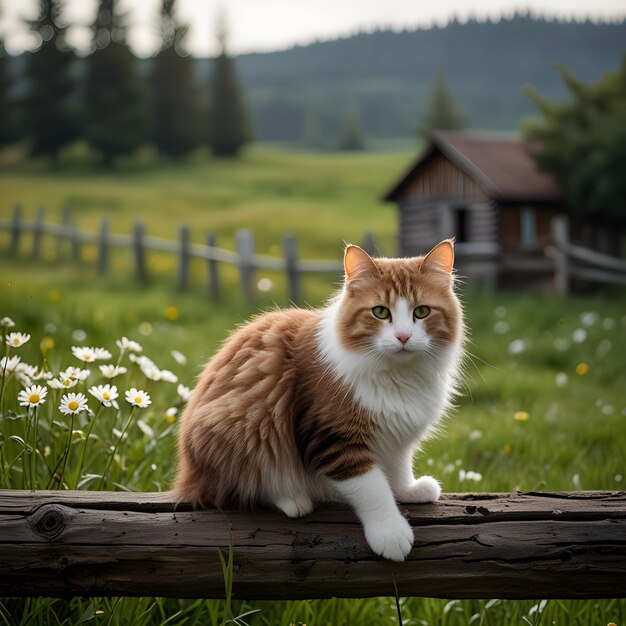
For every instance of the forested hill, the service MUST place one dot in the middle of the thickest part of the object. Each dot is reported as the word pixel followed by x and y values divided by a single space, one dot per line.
pixel 302 92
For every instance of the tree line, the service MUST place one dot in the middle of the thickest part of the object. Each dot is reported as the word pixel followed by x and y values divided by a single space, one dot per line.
pixel 105 99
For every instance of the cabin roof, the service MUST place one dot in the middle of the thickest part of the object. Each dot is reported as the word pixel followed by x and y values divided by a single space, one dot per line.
pixel 500 165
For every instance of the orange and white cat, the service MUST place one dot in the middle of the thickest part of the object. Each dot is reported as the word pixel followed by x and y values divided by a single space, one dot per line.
pixel 299 406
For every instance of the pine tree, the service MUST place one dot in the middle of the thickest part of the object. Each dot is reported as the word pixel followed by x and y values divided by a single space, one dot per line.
pixel 228 118
pixel 582 142
pixel 442 113
pixel 175 99
pixel 7 107
pixel 350 133
pixel 116 97
pixel 49 117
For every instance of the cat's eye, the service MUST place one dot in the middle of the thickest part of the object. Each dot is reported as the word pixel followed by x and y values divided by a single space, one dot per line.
pixel 421 312
pixel 381 312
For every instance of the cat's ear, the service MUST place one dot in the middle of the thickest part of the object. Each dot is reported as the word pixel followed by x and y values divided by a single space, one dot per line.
pixel 441 257
pixel 358 264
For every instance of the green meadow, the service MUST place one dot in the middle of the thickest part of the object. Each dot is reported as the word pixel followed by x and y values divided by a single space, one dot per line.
pixel 542 404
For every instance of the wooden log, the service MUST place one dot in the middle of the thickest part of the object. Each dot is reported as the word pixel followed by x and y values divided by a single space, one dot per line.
pixel 291 267
pixel 213 279
pixel 524 545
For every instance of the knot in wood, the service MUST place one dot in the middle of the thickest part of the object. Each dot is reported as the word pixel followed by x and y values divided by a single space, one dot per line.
pixel 49 521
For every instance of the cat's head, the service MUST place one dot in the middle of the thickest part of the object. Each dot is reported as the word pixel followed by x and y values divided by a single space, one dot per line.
pixel 399 308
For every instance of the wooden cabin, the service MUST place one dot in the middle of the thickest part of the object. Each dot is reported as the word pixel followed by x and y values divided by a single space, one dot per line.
pixel 486 191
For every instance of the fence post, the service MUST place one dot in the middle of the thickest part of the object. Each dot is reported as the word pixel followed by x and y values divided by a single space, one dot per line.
pixel 139 252
pixel 213 286
pixel 245 249
pixel 103 247
pixel 38 232
pixel 66 220
pixel 16 230
pixel 291 267
pixel 369 243
pixel 560 234
pixel 183 259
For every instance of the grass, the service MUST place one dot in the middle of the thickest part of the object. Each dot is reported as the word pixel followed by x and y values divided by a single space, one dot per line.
pixel 521 345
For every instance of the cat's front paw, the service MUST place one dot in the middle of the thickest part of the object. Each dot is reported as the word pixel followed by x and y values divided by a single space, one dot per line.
pixel 298 506
pixel 391 538
pixel 424 489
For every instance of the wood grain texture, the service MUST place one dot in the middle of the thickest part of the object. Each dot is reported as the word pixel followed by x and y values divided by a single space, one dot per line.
pixel 530 545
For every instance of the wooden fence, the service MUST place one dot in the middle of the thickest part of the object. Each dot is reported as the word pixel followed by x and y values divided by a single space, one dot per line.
pixel 522 545
pixel 564 261
pixel 244 258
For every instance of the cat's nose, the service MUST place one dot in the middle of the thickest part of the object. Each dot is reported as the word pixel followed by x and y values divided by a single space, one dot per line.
pixel 403 338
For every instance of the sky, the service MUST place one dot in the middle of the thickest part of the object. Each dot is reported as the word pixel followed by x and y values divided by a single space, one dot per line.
pixel 265 25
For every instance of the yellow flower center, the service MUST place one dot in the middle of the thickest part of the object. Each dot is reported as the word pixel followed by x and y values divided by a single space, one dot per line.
pixel 16 342
pixel 34 398
pixel 73 405
pixel 87 357
pixel 138 400
pixel 105 395
pixel 66 383
pixel 73 376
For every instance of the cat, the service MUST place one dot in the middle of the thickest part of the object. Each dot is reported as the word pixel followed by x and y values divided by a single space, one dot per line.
pixel 300 407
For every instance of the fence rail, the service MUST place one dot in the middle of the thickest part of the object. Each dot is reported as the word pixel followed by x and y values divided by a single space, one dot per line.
pixel 490 545
pixel 564 260
pixel 139 243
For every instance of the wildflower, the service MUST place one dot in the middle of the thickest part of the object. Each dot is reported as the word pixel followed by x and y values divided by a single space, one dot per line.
pixel 145 429
pixel 184 393
pixel 576 481
pixel 507 449
pixel 105 394
pixel 561 379
pixel 582 369
pixel 170 415
pixel 145 328
pixel 89 355
pixel 171 313
pixel 6 322
pixel 137 397
pixel 579 335
pixel 111 371
pixel 63 382
pixel 32 396
pixel 9 364
pixel 516 346
pixel 46 344
pixel 54 295
pixel 15 340
pixel 265 284
pixel 501 327
pixel 72 403
pixel 470 475
pixel 168 377
pixel 589 318
pixel 521 416
pixel 475 434
pixel 79 335
pixel 75 373
pixel 127 345
pixel 561 344
pixel 179 357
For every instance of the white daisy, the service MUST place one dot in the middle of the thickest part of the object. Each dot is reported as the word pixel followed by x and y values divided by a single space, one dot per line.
pixel 184 392
pixel 27 370
pixel 127 345
pixel 105 394
pixel 179 357
pixel 111 371
pixel 73 403
pixel 75 373
pixel 62 382
pixel 151 371
pixel 85 354
pixel 137 397
pixel 102 354
pixel 6 322
pixel 15 340
pixel 9 365
pixel 168 377
pixel 32 396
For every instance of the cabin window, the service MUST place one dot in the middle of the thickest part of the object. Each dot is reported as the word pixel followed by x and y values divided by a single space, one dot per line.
pixel 528 225
pixel 461 225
